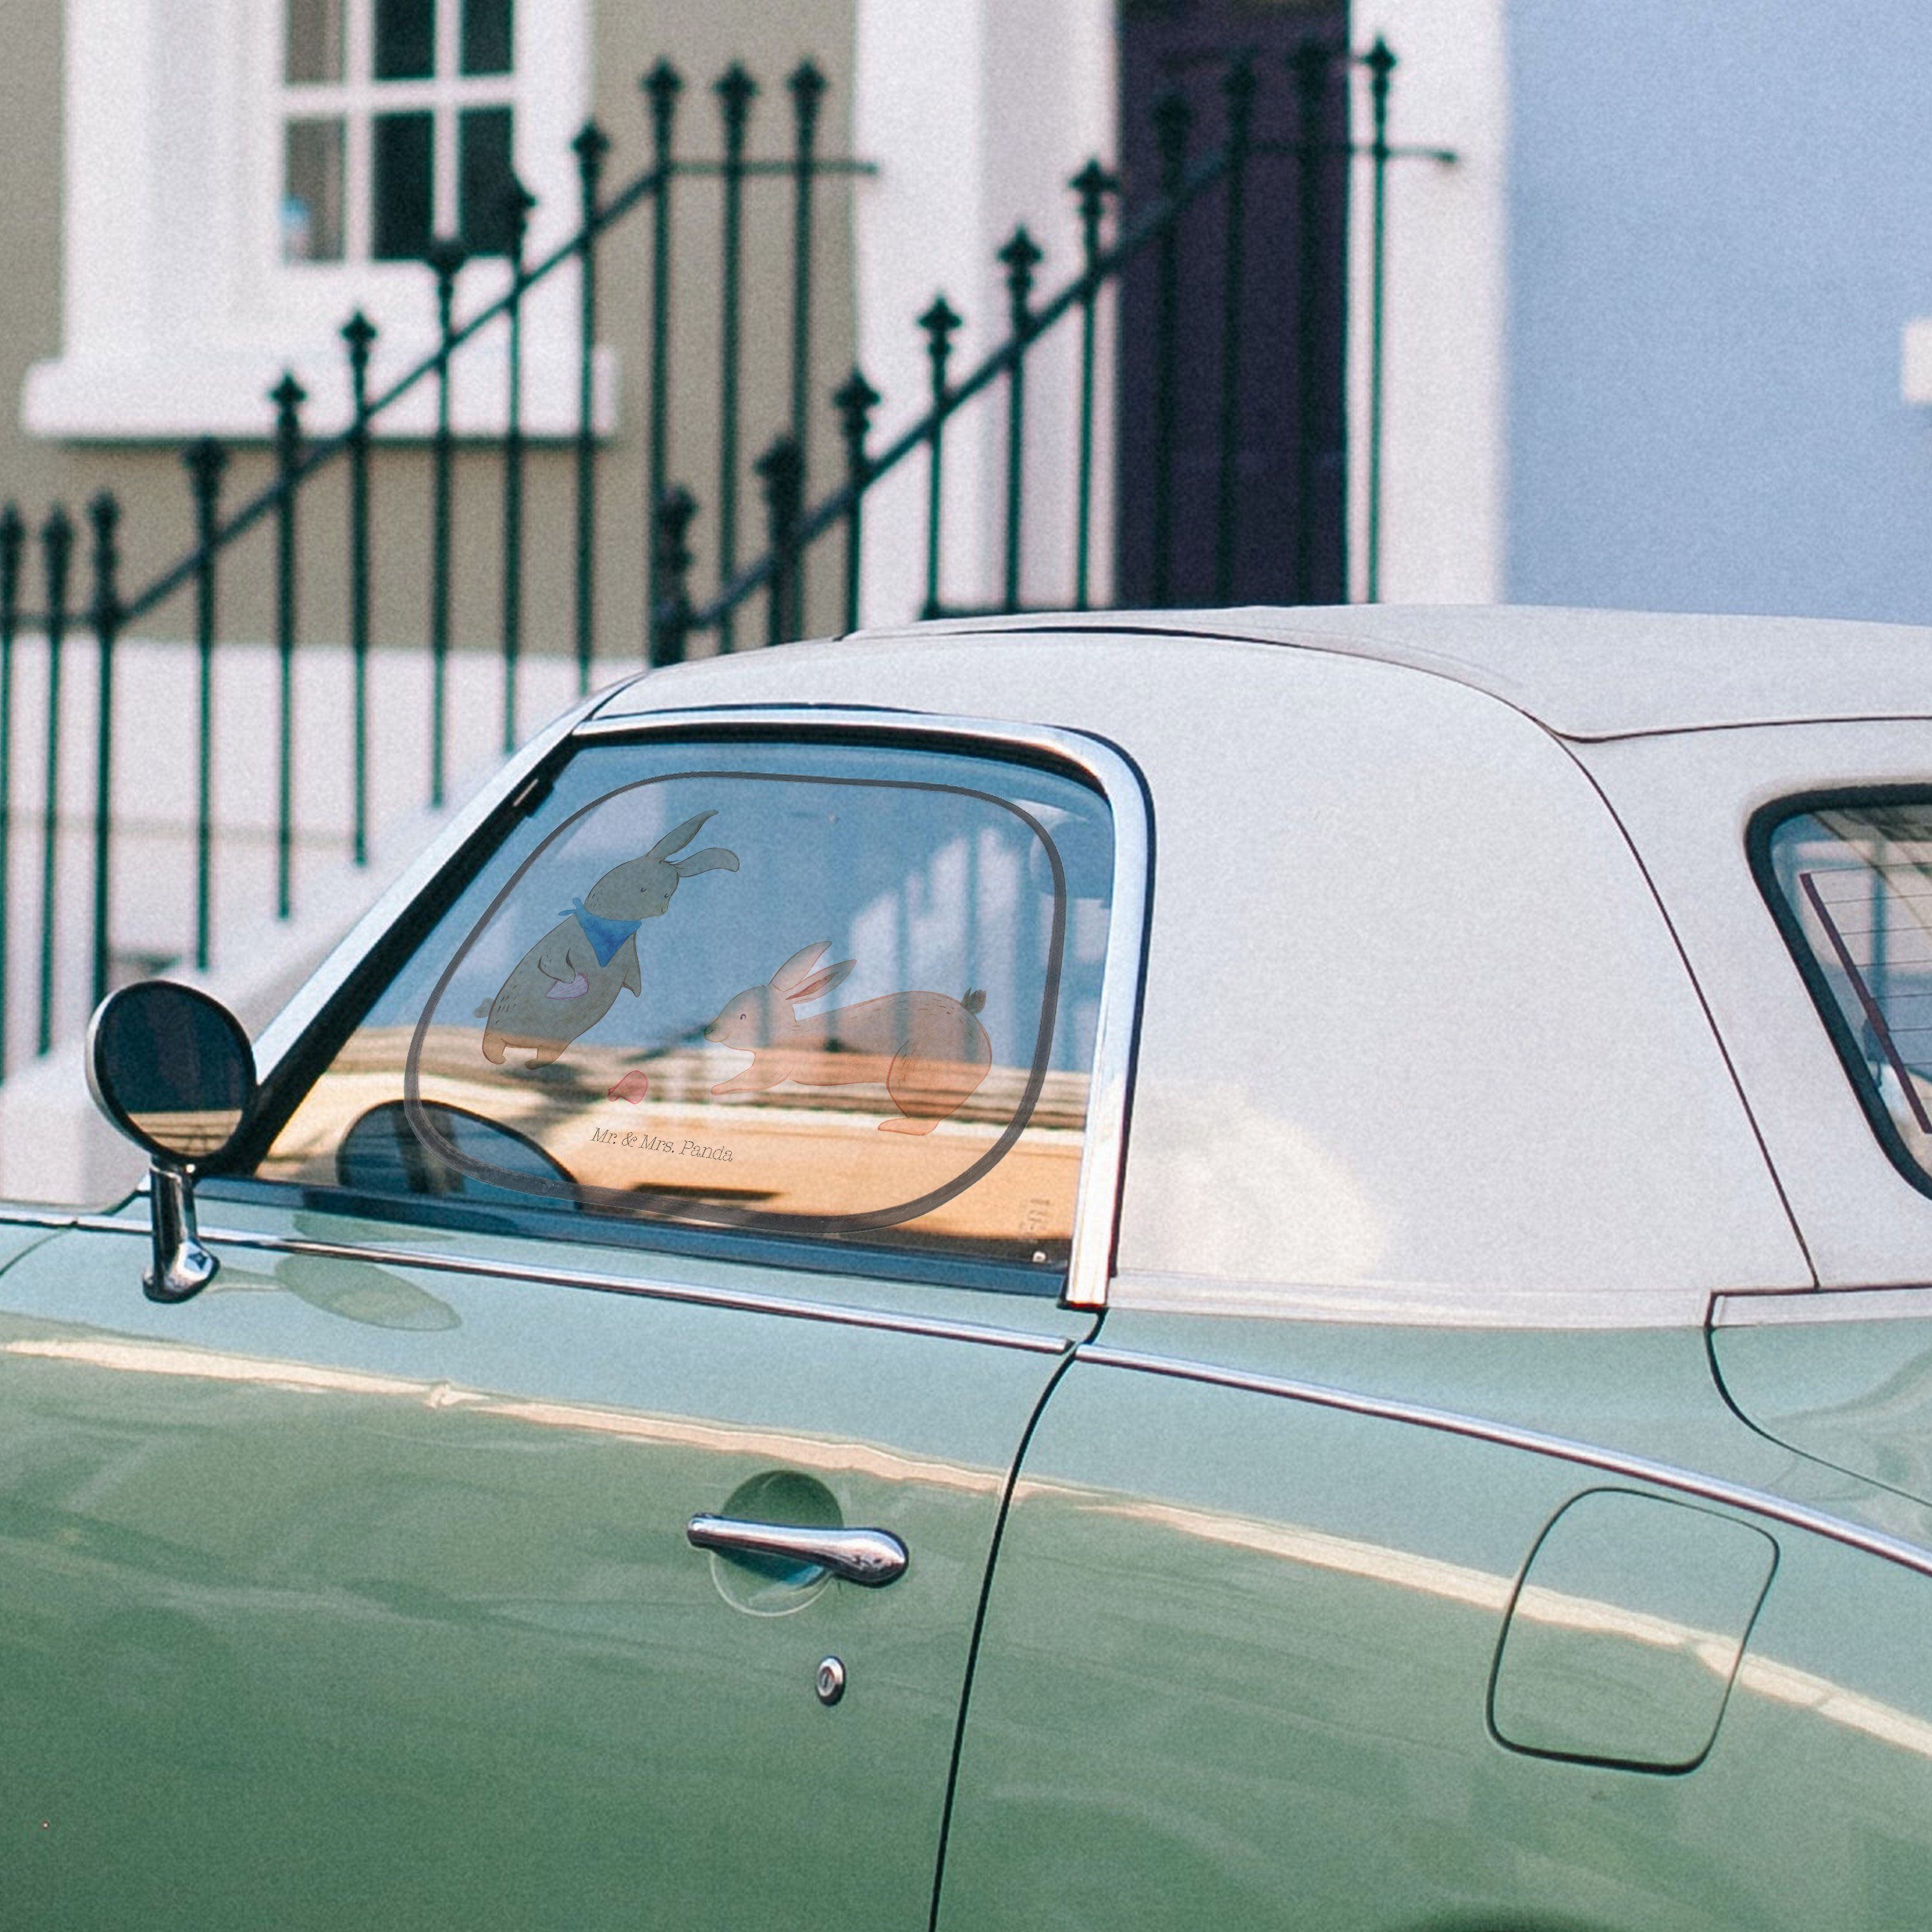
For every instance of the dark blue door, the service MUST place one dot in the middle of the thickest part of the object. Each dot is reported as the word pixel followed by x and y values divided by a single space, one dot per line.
pixel 1247 504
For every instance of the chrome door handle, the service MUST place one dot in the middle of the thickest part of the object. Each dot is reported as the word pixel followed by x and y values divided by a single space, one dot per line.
pixel 872 1557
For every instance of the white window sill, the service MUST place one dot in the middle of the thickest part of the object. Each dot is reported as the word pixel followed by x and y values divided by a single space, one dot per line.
pixel 1915 373
pixel 203 391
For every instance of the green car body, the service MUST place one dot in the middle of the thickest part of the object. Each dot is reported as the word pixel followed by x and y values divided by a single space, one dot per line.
pixel 1534 1530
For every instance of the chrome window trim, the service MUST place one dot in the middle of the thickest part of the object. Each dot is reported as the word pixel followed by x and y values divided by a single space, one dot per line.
pixel 742 1301
pixel 1761 831
pixel 1097 1198
pixel 1811 1307
pixel 282 1033
pixel 1605 1462
pixel 1097 1191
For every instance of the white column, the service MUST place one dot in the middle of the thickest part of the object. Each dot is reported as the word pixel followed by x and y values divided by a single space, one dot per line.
pixel 1445 443
pixel 978 112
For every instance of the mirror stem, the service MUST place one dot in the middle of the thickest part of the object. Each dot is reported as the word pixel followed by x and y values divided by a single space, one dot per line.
pixel 182 1266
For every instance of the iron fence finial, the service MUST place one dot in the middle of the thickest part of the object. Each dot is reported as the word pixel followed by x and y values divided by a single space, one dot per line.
pixel 288 396
pixel 1310 63
pixel 736 91
pixel 205 459
pixel 1093 184
pixel 57 533
pixel 445 257
pixel 855 399
pixel 939 321
pixel 1173 122
pixel 661 89
pixel 359 333
pixel 104 514
pixel 591 146
pixel 516 204
pixel 807 82
pixel 1020 256
pixel 1239 85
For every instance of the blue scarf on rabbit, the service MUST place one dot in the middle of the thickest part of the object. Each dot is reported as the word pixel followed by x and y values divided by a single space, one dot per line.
pixel 605 935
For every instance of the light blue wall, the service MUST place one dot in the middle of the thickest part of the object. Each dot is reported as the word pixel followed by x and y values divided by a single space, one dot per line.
pixel 1720 213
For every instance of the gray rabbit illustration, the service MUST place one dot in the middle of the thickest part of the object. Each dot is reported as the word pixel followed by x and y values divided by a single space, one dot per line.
pixel 566 982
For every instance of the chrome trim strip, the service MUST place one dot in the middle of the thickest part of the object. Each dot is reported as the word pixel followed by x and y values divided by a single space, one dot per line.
pixel 282 1033
pixel 39 1217
pixel 1772 1309
pixel 870 1557
pixel 1606 1461
pixel 1097 1191
pixel 745 1301
pixel 112 1224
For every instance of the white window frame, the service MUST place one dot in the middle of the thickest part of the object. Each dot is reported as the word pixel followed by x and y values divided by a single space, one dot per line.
pixel 358 98
pixel 178 313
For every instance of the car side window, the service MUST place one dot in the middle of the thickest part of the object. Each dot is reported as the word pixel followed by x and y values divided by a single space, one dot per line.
pixel 1852 884
pixel 847 992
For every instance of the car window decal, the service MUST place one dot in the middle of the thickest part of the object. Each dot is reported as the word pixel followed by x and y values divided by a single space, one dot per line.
pixel 568 980
pixel 927 1050
pixel 942 1072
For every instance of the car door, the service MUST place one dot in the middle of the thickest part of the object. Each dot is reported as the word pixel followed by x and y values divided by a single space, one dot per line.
pixel 362 1588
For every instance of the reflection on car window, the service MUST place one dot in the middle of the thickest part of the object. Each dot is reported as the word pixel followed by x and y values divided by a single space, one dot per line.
pixel 1855 881
pixel 848 992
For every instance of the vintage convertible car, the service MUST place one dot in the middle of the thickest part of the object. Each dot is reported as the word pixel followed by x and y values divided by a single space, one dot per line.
pixel 1248 1270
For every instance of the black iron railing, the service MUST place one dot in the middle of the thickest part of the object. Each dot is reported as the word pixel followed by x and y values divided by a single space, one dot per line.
pixel 676 615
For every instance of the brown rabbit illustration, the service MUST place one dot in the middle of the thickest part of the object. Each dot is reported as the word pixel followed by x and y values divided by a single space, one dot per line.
pixel 929 1050
pixel 566 982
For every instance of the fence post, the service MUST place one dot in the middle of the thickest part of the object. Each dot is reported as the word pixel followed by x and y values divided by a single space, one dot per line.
pixel 206 460
pixel 855 400
pixel 359 333
pixel 1381 62
pixel 445 258
pixel 1240 88
pixel 736 91
pixel 1021 256
pixel 13 542
pixel 104 514
pixel 56 552
pixel 1172 120
pixel 939 321
pixel 781 469
pixel 661 87
pixel 288 396
pixel 807 86
pixel 1093 184
pixel 591 146
pixel 1309 63
pixel 671 621
pixel 517 202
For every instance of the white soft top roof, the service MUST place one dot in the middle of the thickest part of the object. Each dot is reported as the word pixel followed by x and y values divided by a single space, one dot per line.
pixel 1414 1037
pixel 1586 674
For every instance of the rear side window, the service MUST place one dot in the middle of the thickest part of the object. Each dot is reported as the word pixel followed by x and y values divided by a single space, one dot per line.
pixel 841 993
pixel 1852 884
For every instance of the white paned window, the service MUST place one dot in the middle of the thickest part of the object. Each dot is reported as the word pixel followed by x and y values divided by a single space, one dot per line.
pixel 398 122
pixel 240 175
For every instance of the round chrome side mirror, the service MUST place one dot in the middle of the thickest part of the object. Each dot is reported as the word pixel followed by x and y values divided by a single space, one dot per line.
pixel 173 1070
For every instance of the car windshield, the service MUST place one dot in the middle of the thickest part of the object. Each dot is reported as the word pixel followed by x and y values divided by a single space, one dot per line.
pixel 842 992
